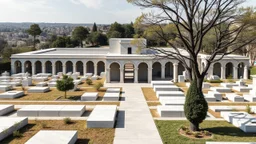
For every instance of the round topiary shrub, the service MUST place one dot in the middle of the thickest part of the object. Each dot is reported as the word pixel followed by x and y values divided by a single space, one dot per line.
pixel 195 107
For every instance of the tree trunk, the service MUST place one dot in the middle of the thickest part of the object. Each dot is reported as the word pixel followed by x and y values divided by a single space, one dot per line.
pixel 34 42
pixel 65 94
pixel 194 126
pixel 81 43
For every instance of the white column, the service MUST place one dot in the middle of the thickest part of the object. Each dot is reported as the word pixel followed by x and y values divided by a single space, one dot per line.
pixel 108 75
pixel 163 72
pixel 136 75
pixel 64 68
pixel 22 68
pixel 13 70
pixel 149 74
pixel 121 75
pixel 246 72
pixel 95 69
pixel 85 69
pixel 53 69
pixel 74 68
pixel 43 68
pixel 223 72
pixel 235 72
pixel 175 72
pixel 33 69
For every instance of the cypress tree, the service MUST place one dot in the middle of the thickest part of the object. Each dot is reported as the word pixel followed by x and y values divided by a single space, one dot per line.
pixel 94 28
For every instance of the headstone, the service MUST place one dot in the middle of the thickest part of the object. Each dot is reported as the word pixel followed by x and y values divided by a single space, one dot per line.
pixel 181 78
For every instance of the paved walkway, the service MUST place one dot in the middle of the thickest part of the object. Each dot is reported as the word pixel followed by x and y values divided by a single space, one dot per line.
pixel 135 124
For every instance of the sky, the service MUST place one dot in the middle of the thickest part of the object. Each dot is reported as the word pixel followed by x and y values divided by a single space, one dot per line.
pixel 72 11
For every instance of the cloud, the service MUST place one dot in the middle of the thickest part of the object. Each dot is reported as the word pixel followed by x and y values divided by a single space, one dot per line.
pixel 96 4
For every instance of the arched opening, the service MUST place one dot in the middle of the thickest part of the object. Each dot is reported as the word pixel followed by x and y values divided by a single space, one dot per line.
pixel 217 69
pixel 18 67
pixel 100 67
pixel 156 72
pixel 181 69
pixel 114 72
pixel 128 73
pixel 48 67
pixel 28 67
pixel 143 73
pixel 90 67
pixel 69 67
pixel 240 70
pixel 59 67
pixel 79 67
pixel 229 70
pixel 169 70
pixel 38 66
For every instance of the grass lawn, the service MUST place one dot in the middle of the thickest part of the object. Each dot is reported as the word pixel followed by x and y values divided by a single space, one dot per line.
pixel 253 71
pixel 149 94
pixel 153 103
pixel 95 136
pixel 222 131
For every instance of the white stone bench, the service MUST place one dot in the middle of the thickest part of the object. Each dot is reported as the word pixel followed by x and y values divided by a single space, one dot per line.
pixel 242 120
pixel 166 88
pixel 5 78
pixel 78 82
pixel 52 84
pixel 94 77
pixel 5 109
pixel 210 98
pixel 40 79
pixel 113 90
pixel 166 101
pixel 84 78
pixel 229 85
pixel 89 75
pixel 171 111
pixel 111 96
pixel 12 83
pixel 38 90
pixel 221 89
pixel 10 124
pixel 250 98
pixel 169 94
pixel 44 74
pixel 102 116
pixel 153 83
pixel 235 98
pixel 54 137
pixel 5 88
pixel 52 111
pixel 221 108
pixel 242 89
pixel 41 84
pixel 217 95
pixel 12 94
pixel 89 96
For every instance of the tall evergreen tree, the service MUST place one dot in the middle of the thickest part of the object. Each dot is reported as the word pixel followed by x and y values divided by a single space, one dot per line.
pixel 94 28
pixel 34 30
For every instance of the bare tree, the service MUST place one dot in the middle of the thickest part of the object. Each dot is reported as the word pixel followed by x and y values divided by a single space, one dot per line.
pixel 193 20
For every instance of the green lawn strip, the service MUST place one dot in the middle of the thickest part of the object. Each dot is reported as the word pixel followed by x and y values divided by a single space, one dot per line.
pixel 222 131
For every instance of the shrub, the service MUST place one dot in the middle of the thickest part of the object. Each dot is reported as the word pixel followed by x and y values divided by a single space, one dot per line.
pixel 230 77
pixel 207 133
pixel 248 109
pixel 98 85
pixel 67 120
pixel 195 107
pixel 89 81
pixel 183 128
pixel 17 134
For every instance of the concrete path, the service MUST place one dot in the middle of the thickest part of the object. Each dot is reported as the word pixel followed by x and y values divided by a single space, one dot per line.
pixel 135 124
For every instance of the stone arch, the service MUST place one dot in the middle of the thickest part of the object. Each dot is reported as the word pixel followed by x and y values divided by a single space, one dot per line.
pixel 90 67
pixel 114 72
pixel 100 67
pixel 217 69
pixel 28 67
pixel 80 67
pixel 69 67
pixel 18 66
pixel 181 69
pixel 38 67
pixel 48 67
pixel 229 70
pixel 142 72
pixel 169 70
pixel 59 66
pixel 156 71
pixel 240 69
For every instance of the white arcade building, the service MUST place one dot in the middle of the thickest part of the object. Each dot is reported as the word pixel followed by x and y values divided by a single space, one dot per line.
pixel 121 62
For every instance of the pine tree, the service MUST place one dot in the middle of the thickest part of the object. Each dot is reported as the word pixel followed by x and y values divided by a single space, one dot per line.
pixel 94 28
